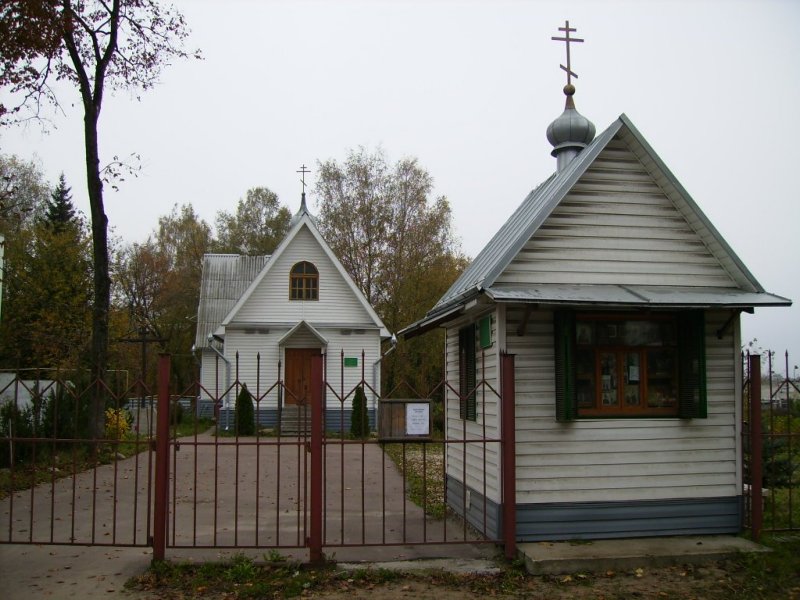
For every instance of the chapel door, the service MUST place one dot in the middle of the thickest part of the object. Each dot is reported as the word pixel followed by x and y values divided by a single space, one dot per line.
pixel 298 374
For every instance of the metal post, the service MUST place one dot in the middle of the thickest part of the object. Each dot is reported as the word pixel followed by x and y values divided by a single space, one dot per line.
pixel 162 460
pixel 317 415
pixel 508 435
pixel 756 434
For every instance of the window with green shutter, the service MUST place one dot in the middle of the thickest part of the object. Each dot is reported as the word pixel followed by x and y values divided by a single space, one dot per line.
pixel 629 364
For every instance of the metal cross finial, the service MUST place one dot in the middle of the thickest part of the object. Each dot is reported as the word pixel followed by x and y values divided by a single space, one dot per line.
pixel 567 29
pixel 303 171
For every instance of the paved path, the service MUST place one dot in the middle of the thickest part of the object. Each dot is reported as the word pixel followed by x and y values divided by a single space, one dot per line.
pixel 221 495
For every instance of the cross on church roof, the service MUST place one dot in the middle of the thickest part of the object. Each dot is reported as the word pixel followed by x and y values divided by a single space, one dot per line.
pixel 303 170
pixel 567 29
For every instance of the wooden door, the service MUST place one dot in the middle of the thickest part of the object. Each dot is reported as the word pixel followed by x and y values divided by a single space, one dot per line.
pixel 298 374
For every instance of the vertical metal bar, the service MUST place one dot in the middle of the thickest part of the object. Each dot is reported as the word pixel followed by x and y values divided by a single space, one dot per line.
pixel 258 439
pixel 53 462
pixel 790 433
pixel 33 490
pixel 116 470
pixel 95 461
pixel 174 424
pixel 424 492
pixel 756 447
pixel 508 437
pixel 405 490
pixel 315 535
pixel 483 441
pixel 278 464
pixel 162 460
pixel 136 467
pixel 383 497
pixel 341 446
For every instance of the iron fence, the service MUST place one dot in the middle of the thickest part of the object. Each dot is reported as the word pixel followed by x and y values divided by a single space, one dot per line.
pixel 771 444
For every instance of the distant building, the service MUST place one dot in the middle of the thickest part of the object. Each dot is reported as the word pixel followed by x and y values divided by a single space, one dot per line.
pixel 261 318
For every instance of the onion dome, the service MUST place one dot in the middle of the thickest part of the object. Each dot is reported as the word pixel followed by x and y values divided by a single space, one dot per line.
pixel 571 132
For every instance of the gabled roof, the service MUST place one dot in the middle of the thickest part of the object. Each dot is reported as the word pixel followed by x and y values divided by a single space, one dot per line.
pixel 506 244
pixel 304 325
pixel 301 220
pixel 225 278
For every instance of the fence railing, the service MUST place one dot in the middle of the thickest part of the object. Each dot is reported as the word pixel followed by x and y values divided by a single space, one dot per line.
pixel 770 444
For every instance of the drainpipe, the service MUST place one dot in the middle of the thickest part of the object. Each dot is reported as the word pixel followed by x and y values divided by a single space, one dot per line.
pixel 375 371
pixel 211 338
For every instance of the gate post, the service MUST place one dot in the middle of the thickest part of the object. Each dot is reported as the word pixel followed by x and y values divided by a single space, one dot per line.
pixel 162 460
pixel 756 435
pixel 317 416
pixel 508 436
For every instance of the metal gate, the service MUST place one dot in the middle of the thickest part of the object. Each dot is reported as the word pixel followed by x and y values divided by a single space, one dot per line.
pixel 314 487
pixel 62 486
pixel 770 445
pixel 196 485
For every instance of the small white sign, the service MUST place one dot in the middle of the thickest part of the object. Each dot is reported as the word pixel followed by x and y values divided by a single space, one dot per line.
pixel 417 419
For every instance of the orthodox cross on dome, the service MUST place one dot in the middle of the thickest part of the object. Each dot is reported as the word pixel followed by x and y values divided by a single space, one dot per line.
pixel 567 30
pixel 303 170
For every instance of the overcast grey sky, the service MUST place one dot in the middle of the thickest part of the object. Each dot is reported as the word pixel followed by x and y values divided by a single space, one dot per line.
pixel 467 87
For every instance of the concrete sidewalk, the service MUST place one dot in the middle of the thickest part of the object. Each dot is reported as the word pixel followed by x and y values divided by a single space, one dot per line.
pixel 553 558
pixel 101 572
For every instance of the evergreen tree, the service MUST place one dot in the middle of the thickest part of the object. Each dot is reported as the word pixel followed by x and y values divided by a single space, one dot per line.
pixel 359 419
pixel 60 211
pixel 245 414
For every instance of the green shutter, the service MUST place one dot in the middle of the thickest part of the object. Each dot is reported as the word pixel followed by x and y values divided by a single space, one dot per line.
pixel 564 338
pixel 485 328
pixel 467 372
pixel 692 401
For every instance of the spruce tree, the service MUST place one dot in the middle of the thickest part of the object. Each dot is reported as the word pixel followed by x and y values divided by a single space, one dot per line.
pixel 60 211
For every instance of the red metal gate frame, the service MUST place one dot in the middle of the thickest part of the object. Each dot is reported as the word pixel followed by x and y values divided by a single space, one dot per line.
pixel 315 446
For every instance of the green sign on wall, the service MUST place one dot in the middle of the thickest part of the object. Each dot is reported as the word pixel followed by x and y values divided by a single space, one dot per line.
pixel 350 361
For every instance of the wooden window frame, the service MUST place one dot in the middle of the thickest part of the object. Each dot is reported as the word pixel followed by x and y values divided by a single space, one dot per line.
pixel 304 286
pixel 687 377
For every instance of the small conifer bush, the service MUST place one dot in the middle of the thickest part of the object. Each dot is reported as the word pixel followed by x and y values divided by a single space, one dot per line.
pixel 359 420
pixel 245 414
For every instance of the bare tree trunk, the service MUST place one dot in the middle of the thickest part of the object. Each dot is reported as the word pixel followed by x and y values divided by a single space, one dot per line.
pixel 102 281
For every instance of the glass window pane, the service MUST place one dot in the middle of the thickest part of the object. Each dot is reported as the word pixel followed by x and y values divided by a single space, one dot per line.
pixel 631 376
pixel 585 388
pixel 608 379
pixel 662 378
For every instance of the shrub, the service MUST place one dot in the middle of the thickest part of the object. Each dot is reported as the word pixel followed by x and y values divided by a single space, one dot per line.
pixel 18 423
pixel 245 414
pixel 359 419
pixel 175 413
pixel 118 423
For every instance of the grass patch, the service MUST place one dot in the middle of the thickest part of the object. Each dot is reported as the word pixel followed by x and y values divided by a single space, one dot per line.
pixel 782 509
pixel 750 576
pixel 422 464
pixel 773 574
pixel 243 578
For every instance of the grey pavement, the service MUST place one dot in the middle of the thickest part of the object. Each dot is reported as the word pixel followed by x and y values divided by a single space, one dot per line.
pixel 222 495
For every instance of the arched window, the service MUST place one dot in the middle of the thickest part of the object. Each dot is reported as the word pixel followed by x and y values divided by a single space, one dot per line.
pixel 304 282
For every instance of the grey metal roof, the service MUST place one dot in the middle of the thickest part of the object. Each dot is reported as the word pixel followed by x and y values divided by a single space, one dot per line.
pixel 506 244
pixel 225 278
pixel 523 223
pixel 636 295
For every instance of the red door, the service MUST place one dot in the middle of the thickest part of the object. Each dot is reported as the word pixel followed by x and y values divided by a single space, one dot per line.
pixel 298 374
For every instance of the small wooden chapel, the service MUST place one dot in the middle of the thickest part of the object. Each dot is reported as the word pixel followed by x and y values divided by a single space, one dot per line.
pixel 621 303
